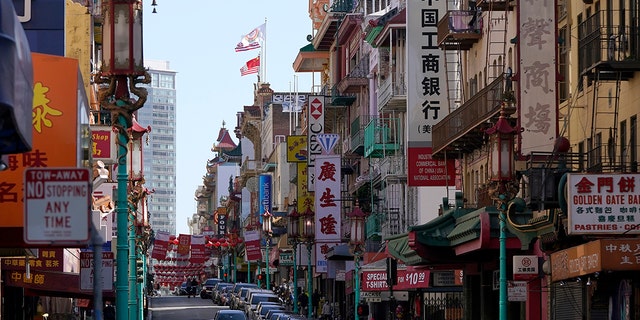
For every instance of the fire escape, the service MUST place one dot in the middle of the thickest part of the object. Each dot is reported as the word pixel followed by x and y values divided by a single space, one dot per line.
pixel 608 55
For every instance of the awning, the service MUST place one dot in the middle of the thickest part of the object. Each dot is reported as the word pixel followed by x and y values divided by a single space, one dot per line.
pixel 371 35
pixel 310 60
pixel 16 83
pixel 50 283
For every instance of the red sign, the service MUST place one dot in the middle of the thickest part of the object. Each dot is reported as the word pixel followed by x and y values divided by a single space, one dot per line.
pixel 424 171
pixel 407 280
pixel 50 259
pixel 102 138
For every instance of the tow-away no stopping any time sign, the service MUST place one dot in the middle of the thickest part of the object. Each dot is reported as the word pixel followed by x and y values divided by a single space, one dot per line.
pixel 56 206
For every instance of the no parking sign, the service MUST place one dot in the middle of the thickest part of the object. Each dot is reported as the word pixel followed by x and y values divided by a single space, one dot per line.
pixel 56 206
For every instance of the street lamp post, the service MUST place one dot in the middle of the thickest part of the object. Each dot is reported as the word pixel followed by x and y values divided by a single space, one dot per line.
pixel 356 243
pixel 293 228
pixel 308 233
pixel 501 138
pixel 122 67
pixel 266 228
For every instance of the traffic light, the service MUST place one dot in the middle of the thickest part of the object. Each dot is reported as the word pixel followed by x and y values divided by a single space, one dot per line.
pixel 392 271
pixel 139 270
pixel 363 309
pixel 260 277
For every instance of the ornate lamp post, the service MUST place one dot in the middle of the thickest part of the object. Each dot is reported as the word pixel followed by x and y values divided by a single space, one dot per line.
pixel 122 67
pixel 308 234
pixel 266 228
pixel 356 244
pixel 501 137
pixel 293 228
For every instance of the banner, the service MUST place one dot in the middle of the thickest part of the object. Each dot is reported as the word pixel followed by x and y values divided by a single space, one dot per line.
pixel 198 253
pixel 252 245
pixel 184 244
pixel 160 245
pixel 252 40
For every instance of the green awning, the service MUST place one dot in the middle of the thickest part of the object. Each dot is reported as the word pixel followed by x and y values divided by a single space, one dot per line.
pixel 371 36
pixel 398 247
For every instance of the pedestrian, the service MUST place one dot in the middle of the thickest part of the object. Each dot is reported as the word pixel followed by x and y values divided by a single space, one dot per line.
pixel 303 300
pixel 326 310
pixel 109 311
pixel 193 286
pixel 315 300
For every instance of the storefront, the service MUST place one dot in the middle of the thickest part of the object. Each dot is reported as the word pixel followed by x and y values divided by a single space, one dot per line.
pixel 598 279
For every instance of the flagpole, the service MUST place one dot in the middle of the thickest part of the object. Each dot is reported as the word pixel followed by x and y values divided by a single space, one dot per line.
pixel 263 50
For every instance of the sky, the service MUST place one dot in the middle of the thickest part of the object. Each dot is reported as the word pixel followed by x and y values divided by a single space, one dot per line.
pixel 198 39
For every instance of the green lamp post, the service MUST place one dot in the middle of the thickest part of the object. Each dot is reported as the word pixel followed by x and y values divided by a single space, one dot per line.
pixel 356 243
pixel 293 229
pixel 122 67
pixel 308 233
pixel 501 139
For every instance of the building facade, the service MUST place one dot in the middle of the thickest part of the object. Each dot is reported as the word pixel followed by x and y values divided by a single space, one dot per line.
pixel 160 153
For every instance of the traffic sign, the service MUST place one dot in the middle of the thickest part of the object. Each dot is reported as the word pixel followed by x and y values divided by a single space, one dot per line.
pixel 57 206
pixel 87 271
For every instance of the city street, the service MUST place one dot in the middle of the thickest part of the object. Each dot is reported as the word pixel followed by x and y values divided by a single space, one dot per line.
pixel 181 307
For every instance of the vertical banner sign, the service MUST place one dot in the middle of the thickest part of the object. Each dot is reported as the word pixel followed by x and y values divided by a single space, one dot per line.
pixel 252 246
pixel 221 220
pixel 537 32
pixel 55 131
pixel 160 245
pixel 305 197
pixel 327 209
pixel 103 146
pixel 198 254
pixel 56 209
pixel 184 245
pixel 427 105
pixel 265 195
pixel 87 275
pixel 315 126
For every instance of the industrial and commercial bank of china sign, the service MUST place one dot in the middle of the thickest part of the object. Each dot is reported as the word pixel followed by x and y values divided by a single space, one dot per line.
pixel 603 203
pixel 427 105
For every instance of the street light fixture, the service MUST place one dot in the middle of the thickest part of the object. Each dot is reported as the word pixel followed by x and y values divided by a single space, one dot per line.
pixel 501 138
pixel 356 244
pixel 122 65
pixel 266 228
pixel 308 234
pixel 293 228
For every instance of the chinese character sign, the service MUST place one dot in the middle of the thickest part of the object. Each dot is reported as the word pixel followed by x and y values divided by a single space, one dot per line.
pixel 603 203
pixel 305 197
pixel 327 202
pixel 538 69
pixel 55 131
pixel 428 104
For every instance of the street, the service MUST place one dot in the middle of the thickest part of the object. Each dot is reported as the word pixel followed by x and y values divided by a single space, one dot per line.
pixel 183 308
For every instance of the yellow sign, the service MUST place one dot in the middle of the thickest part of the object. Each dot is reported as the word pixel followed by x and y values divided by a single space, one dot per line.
pixel 297 149
pixel 305 197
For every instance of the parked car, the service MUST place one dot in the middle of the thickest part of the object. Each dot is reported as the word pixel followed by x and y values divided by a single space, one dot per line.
pixel 256 298
pixel 228 314
pixel 207 287
pixel 237 294
pixel 219 290
pixel 261 313
pixel 183 289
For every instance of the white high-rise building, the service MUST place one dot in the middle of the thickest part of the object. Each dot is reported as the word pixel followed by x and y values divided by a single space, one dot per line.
pixel 159 112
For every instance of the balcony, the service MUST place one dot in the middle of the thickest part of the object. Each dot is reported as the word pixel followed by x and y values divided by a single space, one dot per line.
pixel 463 129
pixel 392 91
pixel 357 78
pixel 495 5
pixel 459 30
pixel 336 99
pixel 607 51
pixel 381 137
pixel 373 226
pixel 393 168
pixel 357 134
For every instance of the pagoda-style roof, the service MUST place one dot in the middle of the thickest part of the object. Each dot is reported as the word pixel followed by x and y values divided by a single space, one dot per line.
pixel 224 141
pixel 459 235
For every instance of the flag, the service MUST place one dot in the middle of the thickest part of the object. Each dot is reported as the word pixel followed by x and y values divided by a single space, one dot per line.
pixel 252 66
pixel 252 40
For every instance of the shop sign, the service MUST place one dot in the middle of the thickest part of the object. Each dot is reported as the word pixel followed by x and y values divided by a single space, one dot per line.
pixel 525 267
pixel 447 278
pixel 286 258
pixel 603 203
pixel 407 279
pixel 371 296
pixel 103 143
pixel 596 256
pixel 517 290
pixel 49 259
